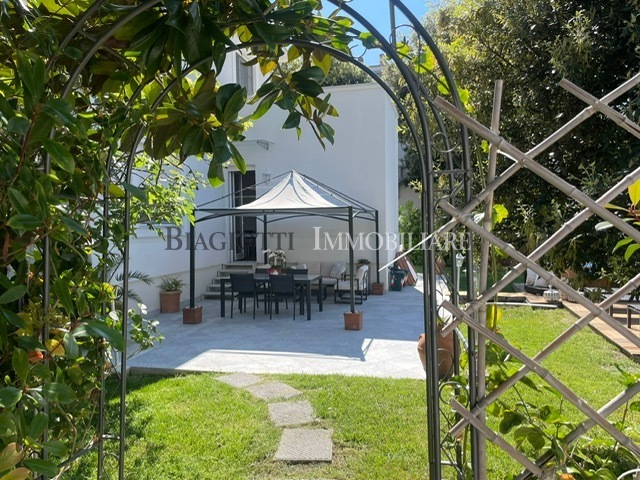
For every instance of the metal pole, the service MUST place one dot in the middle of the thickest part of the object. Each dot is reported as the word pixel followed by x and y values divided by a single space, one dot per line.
pixel 377 226
pixel 192 262
pixel 351 260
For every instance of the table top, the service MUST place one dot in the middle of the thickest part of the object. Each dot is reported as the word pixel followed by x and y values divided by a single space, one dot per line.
pixel 298 277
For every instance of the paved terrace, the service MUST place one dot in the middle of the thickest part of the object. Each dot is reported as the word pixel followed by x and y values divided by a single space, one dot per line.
pixel 385 347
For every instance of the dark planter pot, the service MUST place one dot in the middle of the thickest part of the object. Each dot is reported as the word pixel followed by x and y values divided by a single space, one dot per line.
pixel 192 316
pixel 170 301
pixel 445 354
pixel 377 288
pixel 353 320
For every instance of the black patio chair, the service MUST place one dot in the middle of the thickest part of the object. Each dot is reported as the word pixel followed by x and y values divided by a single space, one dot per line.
pixel 282 287
pixel 243 286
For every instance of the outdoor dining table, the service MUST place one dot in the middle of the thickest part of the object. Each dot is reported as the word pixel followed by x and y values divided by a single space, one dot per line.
pixel 305 279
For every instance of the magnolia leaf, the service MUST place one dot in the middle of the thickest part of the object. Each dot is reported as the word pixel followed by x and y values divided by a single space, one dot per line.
pixel 215 174
pixel 21 473
pixel 116 191
pixel 634 193
pixel 10 456
pixel 292 121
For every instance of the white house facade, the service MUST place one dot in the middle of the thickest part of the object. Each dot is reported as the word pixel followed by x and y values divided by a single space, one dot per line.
pixel 362 163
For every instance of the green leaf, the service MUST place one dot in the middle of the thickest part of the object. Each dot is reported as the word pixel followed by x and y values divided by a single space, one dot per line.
pixel 327 131
pixel 292 121
pixel 96 328
pixel 38 425
pixel 116 191
pixel 44 467
pixel 193 141
pixel 322 60
pixel 224 95
pixel 137 192
pixel 622 243
pixel 603 226
pixel 21 473
pixel 510 420
pixel 18 200
pixel 60 155
pixel 631 249
pixel 235 104
pixel 74 225
pixel 494 314
pixel 634 193
pixel 265 105
pixel 19 125
pixel 238 159
pixel 307 87
pixel 500 213
pixel 13 318
pixel 20 362
pixel 56 448
pixel 9 396
pixel 58 392
pixel 71 346
pixel 61 111
pixel 13 294
pixel 10 456
pixel 215 174
pixel 62 290
pixel 24 221
pixel 310 73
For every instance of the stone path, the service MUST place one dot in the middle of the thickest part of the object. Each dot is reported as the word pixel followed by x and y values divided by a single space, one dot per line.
pixel 297 445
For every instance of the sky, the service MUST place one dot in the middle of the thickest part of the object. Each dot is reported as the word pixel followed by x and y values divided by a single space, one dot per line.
pixel 377 12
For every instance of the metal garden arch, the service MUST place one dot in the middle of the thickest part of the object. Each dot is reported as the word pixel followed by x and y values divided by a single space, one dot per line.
pixel 457 203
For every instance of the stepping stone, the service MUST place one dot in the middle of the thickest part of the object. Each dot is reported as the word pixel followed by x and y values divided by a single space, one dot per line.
pixel 305 445
pixel 239 380
pixel 270 390
pixel 291 413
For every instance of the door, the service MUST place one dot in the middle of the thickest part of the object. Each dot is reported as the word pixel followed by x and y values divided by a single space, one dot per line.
pixel 244 228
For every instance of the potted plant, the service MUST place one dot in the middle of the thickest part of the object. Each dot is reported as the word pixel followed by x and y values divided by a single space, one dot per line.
pixel 170 290
pixel 445 345
pixel 277 259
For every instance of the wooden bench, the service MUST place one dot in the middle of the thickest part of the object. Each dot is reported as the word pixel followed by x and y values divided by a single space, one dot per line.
pixel 631 309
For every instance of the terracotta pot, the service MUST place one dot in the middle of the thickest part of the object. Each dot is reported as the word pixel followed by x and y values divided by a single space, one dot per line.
pixel 193 315
pixel 170 301
pixel 377 288
pixel 445 354
pixel 353 320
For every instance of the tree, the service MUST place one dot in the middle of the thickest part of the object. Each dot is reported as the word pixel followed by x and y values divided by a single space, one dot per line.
pixel 531 45
pixel 86 95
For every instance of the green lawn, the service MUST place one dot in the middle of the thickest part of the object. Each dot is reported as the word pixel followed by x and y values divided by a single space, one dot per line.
pixel 195 427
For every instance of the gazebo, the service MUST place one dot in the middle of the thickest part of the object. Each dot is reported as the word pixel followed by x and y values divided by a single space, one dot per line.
pixel 295 195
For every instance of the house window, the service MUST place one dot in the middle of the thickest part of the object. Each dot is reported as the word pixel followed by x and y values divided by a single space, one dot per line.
pixel 244 75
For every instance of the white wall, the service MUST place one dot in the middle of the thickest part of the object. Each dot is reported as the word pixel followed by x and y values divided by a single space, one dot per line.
pixel 363 163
